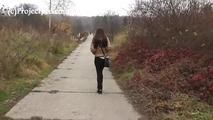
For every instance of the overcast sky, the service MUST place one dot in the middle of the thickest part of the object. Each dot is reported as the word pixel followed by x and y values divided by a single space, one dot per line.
pixel 81 7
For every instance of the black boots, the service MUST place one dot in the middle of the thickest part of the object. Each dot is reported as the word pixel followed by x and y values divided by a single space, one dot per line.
pixel 99 91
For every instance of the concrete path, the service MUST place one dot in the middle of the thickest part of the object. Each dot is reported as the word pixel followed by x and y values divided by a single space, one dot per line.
pixel 69 93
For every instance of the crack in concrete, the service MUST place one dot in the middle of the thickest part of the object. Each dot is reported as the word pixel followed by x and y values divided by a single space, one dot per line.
pixel 83 92
pixel 64 77
pixel 41 118
pixel 64 68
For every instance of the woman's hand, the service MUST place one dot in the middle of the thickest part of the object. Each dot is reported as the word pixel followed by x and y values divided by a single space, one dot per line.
pixel 93 51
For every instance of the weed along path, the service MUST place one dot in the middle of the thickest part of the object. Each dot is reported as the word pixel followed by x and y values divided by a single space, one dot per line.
pixel 69 93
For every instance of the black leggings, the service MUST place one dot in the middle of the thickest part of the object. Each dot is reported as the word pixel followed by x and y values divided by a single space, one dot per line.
pixel 99 64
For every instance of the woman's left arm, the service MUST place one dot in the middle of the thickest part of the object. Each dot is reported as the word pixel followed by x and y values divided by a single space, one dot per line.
pixel 108 44
pixel 92 49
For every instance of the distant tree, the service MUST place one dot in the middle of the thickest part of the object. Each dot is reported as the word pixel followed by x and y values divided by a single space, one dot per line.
pixel 125 21
pixel 61 5
pixel 78 27
pixel 34 20
pixel 1 10
pixel 58 5
pixel 112 23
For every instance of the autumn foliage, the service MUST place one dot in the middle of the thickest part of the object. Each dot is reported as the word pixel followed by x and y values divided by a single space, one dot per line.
pixel 170 47
pixel 181 70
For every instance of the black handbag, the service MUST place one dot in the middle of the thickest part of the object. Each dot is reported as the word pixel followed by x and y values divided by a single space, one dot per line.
pixel 107 61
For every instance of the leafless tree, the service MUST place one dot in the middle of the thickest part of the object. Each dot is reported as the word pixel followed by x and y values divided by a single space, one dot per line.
pixel 61 6
pixel 110 22
pixel 173 23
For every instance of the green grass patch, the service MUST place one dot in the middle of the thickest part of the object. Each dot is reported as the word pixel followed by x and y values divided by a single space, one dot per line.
pixel 16 89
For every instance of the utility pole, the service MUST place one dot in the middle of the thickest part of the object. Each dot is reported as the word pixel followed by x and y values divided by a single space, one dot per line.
pixel 50 16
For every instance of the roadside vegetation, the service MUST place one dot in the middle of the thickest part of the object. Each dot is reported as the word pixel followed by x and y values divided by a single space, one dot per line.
pixel 162 55
pixel 29 52
pixel 163 59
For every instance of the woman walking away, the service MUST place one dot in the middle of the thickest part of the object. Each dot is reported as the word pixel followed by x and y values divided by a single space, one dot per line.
pixel 100 47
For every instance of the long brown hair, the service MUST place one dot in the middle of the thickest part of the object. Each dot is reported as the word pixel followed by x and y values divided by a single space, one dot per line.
pixel 100 39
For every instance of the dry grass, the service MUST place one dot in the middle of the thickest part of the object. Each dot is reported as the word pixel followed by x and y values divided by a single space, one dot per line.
pixel 28 54
pixel 29 51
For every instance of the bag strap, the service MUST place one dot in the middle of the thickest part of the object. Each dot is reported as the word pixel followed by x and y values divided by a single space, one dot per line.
pixel 103 52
